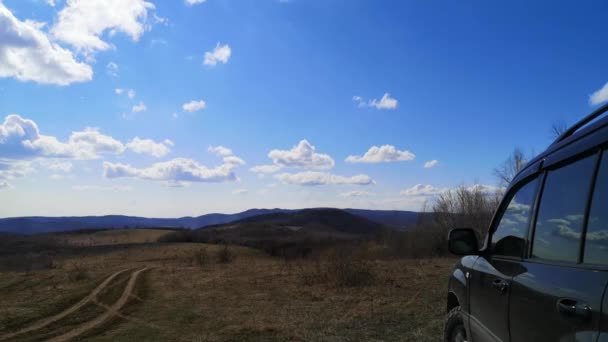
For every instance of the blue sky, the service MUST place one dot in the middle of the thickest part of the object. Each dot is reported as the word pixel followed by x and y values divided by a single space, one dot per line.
pixel 119 106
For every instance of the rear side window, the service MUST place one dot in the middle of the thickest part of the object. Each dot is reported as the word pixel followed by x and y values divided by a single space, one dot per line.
pixel 512 230
pixel 562 208
pixel 596 240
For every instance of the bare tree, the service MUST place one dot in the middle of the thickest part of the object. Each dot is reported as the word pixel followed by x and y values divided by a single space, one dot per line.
pixel 558 128
pixel 510 167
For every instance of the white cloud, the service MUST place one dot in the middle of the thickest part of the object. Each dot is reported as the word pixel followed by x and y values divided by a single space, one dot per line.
pixel 112 69
pixel 359 100
pixel 310 178
pixel 14 169
pixel 382 154
pixel 240 191
pixel 140 107
pixel 27 54
pixel 194 2
pixel 233 160
pixel 219 54
pixel 486 189
pixel 220 150
pixel 599 96
pixel 179 171
pixel 194 106
pixel 303 156
pixel 356 193
pixel 423 190
pixel 20 138
pixel 130 92
pixel 148 146
pixel 102 188
pixel 4 185
pixel 265 169
pixel 82 23
pixel 60 166
pixel 431 163
pixel 386 102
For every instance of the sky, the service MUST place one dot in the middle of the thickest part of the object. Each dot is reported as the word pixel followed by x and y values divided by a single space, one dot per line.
pixel 186 107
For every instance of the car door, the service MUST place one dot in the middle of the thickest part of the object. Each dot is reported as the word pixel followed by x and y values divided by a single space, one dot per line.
pixel 558 296
pixel 491 275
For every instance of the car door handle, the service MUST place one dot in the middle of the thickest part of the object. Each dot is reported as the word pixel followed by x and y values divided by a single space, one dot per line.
pixel 500 285
pixel 572 308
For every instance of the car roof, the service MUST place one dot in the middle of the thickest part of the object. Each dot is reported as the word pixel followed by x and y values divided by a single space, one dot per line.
pixel 577 133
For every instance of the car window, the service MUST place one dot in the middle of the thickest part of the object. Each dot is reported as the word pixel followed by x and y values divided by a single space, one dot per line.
pixel 561 211
pixel 510 235
pixel 596 239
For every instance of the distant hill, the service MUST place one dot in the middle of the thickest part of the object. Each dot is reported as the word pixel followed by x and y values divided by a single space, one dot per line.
pixel 287 233
pixel 325 221
pixel 40 224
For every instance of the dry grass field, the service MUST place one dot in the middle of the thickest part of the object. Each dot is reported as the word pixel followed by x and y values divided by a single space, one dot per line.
pixel 195 292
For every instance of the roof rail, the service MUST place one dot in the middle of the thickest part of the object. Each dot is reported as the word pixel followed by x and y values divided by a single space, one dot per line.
pixel 581 123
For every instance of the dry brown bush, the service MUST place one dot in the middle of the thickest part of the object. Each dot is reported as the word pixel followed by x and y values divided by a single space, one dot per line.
pixel 225 255
pixel 200 257
pixel 341 266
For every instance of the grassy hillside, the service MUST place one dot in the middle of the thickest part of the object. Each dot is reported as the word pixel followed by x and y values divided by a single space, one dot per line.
pixel 190 292
pixel 292 234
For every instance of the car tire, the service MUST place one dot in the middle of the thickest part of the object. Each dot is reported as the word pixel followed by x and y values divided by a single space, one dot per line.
pixel 454 329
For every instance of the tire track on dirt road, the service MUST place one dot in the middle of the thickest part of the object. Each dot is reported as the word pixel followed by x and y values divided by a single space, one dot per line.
pixel 43 323
pixel 112 311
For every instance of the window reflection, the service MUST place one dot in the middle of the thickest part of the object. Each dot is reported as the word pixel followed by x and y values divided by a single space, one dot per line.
pixel 510 235
pixel 560 215
pixel 596 240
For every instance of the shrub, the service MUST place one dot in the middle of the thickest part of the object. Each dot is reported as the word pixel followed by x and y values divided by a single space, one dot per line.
pixel 225 255
pixel 348 267
pixel 201 257
pixel 343 266
pixel 77 273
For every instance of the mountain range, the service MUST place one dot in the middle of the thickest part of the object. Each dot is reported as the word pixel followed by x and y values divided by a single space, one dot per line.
pixel 395 219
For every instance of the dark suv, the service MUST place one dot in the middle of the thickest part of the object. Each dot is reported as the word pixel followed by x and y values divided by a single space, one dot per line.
pixel 542 272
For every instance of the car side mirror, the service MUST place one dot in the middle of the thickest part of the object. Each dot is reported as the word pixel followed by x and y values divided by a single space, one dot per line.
pixel 463 241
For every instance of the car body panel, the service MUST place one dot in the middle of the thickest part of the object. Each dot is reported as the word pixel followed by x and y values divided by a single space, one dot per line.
pixel 533 307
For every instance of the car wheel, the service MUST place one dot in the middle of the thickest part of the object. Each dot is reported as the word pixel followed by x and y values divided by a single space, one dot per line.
pixel 454 330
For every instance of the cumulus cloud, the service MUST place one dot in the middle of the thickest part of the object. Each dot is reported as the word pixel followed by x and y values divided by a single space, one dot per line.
pixel 303 156
pixel 486 189
pixel 240 191
pixel 194 2
pixel 82 23
pixel 64 166
pixel 20 138
pixel 431 163
pixel 112 69
pixel 422 190
pixel 226 154
pixel 102 188
pixel 150 147
pixel 233 160
pixel 27 54
pixel 382 154
pixel 310 178
pixel 600 96
pixel 386 102
pixel 221 53
pixel 129 92
pixel 140 107
pixel 177 172
pixel 355 193
pixel 194 105
pixel 220 150
pixel 265 168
